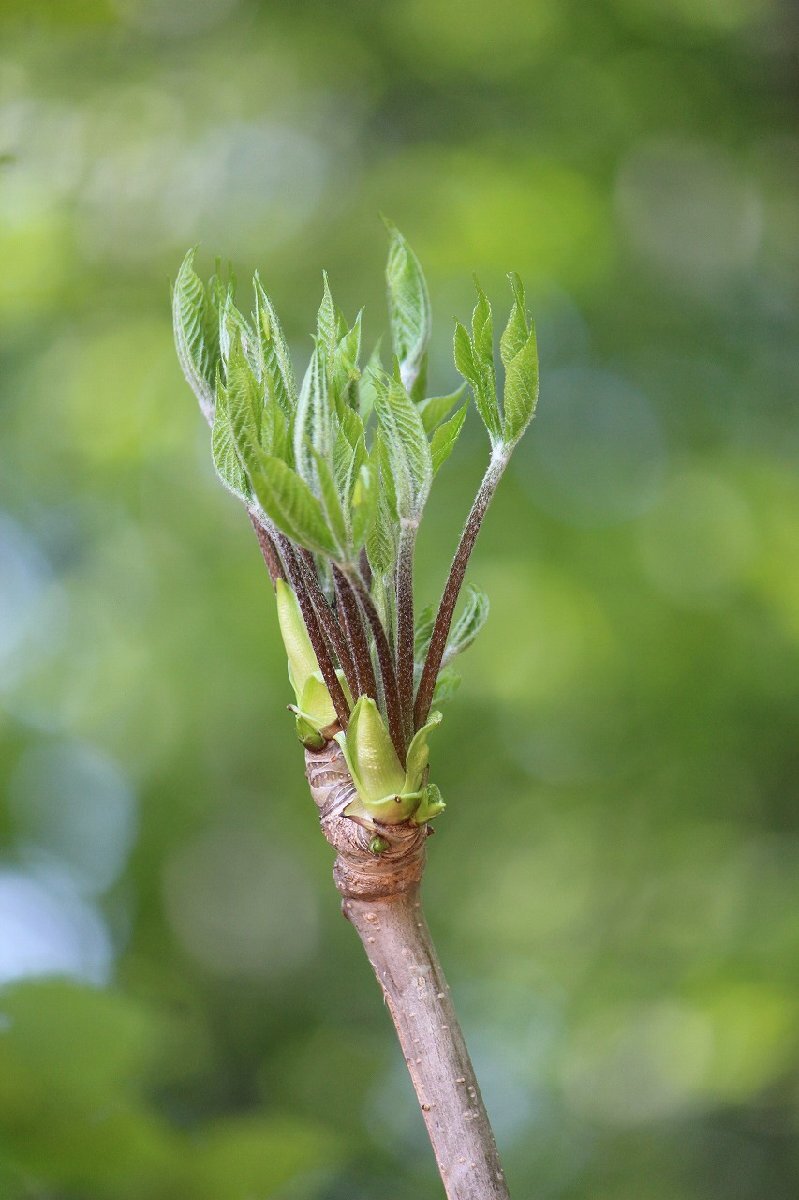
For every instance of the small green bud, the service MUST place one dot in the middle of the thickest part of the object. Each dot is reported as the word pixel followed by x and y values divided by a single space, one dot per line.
pixel 300 652
pixel 385 792
pixel 314 708
pixel 378 845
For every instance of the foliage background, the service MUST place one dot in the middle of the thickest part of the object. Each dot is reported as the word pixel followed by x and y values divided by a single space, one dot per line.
pixel 614 886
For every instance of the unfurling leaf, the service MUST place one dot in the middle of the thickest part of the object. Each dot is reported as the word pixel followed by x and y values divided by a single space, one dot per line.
pixel 516 330
pixel 474 358
pixel 445 437
pixel 226 458
pixel 468 625
pixel 409 310
pixel 275 358
pixel 326 322
pixel 195 320
pixel 313 424
pixel 289 503
pixel 436 408
pixel 521 389
pixel 409 459
pixel 385 792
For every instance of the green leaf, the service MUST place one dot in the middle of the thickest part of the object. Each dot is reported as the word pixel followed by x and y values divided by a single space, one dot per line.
pixel 196 327
pixel 381 537
pixel 313 425
pixel 345 371
pixel 418 754
pixel 327 323
pixel 289 503
pixel 411 465
pixel 275 357
pixel 275 432
pixel 468 625
pixel 235 329
pixel 299 651
pixel 521 389
pixel 516 330
pixel 435 408
pixel 483 329
pixel 363 504
pixel 331 503
pixel 445 437
pixel 409 308
pixel 227 460
pixel 244 398
pixel 431 805
pixel 464 358
pixel 373 761
pixel 368 383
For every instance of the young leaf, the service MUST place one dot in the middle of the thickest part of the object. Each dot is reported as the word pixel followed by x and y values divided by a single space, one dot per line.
pixel 464 358
pixel 368 383
pixel 235 329
pixel 244 400
pixel 468 625
pixel 327 323
pixel 275 357
pixel 313 422
pixel 346 371
pixel 409 308
pixel 331 503
pixel 481 377
pixel 196 326
pixel 410 461
pixel 521 389
pixel 516 330
pixel 435 408
pixel 223 449
pixel 483 329
pixel 443 441
pixel 363 504
pixel 381 538
pixel 289 503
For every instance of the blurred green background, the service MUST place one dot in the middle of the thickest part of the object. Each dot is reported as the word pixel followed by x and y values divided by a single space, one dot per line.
pixel 615 885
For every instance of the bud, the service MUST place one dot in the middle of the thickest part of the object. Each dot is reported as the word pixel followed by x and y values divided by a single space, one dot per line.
pixel 314 709
pixel 385 791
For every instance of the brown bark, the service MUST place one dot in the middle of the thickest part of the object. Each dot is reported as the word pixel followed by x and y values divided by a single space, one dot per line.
pixel 381 899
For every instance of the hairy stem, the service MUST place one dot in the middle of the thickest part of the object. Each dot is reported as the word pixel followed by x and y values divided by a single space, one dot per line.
pixel 449 598
pixel 356 633
pixel 386 663
pixel 405 623
pixel 327 618
pixel 268 548
pixel 297 579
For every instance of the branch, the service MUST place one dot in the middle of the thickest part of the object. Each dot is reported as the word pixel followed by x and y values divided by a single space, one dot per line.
pixel 438 640
pixel 381 900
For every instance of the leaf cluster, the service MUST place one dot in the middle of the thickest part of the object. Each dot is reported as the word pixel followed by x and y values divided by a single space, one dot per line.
pixel 336 471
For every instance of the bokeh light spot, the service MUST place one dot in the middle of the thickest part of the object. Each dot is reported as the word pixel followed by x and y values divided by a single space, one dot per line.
pixel 241 907
pixel 598 453
pixel 697 543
